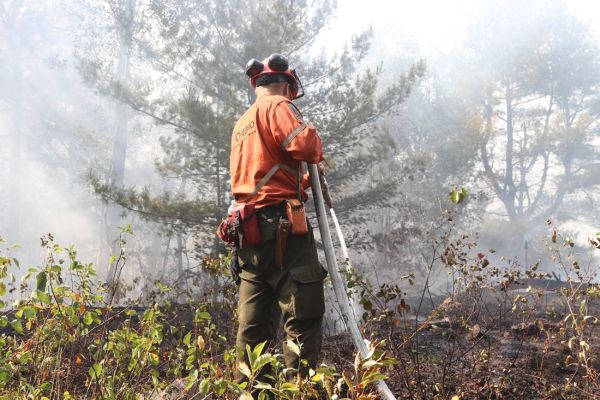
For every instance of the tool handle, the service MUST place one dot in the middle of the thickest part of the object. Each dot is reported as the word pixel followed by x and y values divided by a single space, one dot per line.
pixel 339 287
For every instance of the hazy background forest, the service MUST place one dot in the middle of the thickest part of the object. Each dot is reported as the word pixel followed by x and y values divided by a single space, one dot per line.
pixel 455 131
pixel 119 112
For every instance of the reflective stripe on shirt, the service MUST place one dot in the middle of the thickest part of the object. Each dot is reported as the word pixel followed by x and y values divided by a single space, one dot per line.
pixel 292 135
pixel 269 175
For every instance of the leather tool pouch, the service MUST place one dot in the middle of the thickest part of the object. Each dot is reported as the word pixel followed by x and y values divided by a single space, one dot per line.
pixel 296 214
pixel 240 228
pixel 283 230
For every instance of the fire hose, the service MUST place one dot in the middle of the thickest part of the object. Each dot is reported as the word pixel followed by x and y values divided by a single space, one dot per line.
pixel 339 286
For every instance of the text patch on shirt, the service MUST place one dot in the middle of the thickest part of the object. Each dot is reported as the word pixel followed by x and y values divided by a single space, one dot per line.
pixel 247 129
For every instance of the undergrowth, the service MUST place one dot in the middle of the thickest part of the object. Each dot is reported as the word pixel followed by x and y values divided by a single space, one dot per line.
pixel 65 339
pixel 502 332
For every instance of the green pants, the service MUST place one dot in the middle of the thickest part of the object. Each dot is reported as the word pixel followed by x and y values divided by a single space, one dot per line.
pixel 297 289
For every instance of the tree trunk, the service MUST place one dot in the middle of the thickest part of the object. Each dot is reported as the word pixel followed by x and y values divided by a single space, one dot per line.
pixel 15 141
pixel 165 261
pixel 15 165
pixel 509 184
pixel 119 154
pixel 216 240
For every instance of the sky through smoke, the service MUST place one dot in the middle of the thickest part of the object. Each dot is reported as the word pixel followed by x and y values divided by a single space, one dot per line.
pixel 435 24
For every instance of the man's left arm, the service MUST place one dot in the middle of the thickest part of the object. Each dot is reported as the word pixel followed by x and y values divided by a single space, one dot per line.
pixel 301 140
pixel 295 136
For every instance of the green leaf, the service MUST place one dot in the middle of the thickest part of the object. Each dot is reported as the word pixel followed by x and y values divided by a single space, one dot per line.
pixel 258 349
pixel 127 229
pixel 187 338
pixel 154 358
pixel 243 368
pixel 29 311
pixel 88 318
pixel 192 378
pixel 17 326
pixel 42 280
pixel 25 357
pixel 262 386
pixel 293 347
pixel 457 196
pixel 318 377
pixel 149 315
pixel 205 386
pixel 43 297
pixel 246 396
pixel 263 395
pixel 4 376
pixel 95 370
pixel 191 359
pixel 203 315
pixel 261 361
pixel 2 289
pixel 372 377
pixel 290 387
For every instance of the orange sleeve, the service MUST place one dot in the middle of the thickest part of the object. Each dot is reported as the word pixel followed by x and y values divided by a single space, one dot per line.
pixel 295 136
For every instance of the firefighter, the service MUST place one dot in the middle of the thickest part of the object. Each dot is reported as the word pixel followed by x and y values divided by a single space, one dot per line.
pixel 268 145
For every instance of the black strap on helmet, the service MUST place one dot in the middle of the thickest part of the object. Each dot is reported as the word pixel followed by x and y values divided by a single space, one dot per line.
pixel 272 78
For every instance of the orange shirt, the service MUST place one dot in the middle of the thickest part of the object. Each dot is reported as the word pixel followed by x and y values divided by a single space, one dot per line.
pixel 267 145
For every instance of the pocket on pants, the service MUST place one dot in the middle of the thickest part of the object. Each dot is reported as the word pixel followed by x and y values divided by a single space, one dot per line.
pixel 307 294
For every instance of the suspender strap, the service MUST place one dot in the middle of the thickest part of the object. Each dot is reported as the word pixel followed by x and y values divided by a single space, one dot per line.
pixel 279 166
pixel 269 175
pixel 298 189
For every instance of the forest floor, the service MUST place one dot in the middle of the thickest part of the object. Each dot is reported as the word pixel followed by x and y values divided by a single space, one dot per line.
pixel 484 346
pixel 507 354
pixel 510 360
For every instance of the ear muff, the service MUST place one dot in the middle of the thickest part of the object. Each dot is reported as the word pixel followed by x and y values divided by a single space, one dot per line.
pixel 277 62
pixel 254 67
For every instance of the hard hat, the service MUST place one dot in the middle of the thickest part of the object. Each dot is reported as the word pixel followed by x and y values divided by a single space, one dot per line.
pixel 272 67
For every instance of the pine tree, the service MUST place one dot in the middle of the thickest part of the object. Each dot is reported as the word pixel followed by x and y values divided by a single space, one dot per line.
pixel 200 50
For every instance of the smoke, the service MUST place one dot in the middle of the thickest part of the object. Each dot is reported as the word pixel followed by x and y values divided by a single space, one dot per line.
pixel 55 126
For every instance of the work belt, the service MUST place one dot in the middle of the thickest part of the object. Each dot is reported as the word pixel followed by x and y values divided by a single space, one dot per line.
pixel 276 213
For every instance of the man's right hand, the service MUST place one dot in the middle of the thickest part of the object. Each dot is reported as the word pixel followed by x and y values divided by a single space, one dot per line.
pixel 323 166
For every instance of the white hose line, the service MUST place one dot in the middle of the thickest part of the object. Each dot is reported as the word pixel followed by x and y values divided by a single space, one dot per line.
pixel 339 288
pixel 347 265
pixel 341 238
